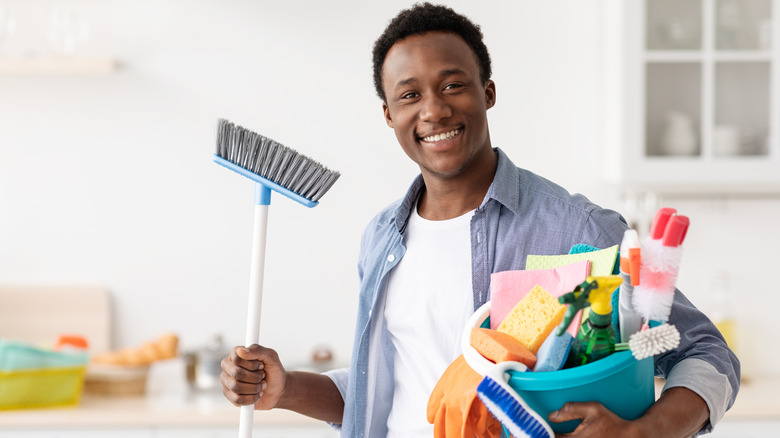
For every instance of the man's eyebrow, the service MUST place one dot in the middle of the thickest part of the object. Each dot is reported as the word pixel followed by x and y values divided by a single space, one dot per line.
pixel 406 81
pixel 443 74
pixel 451 72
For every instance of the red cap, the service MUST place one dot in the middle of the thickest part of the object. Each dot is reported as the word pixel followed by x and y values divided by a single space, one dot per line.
pixel 676 230
pixel 658 226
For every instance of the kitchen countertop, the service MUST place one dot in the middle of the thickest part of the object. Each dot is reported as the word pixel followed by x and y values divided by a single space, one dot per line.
pixel 188 410
pixel 168 402
pixel 757 400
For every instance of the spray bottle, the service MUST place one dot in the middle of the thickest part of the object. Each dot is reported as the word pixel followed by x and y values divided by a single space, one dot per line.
pixel 596 336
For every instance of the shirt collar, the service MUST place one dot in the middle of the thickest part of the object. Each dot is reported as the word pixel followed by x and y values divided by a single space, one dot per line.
pixel 505 189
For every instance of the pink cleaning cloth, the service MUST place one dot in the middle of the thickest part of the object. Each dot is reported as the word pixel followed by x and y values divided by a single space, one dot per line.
pixel 507 288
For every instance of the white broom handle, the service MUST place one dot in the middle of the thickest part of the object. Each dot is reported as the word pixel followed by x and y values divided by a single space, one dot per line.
pixel 254 303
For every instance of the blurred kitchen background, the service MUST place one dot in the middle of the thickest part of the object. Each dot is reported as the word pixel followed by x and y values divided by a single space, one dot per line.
pixel 108 111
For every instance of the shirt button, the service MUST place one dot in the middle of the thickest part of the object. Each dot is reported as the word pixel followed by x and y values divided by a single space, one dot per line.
pixel 390 258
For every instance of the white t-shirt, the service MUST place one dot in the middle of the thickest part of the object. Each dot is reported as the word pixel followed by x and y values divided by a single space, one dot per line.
pixel 429 299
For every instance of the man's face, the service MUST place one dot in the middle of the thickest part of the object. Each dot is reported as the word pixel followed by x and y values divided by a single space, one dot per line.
pixel 436 102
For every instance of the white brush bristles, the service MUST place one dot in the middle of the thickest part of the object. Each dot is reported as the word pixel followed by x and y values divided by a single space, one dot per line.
pixel 653 297
pixel 656 340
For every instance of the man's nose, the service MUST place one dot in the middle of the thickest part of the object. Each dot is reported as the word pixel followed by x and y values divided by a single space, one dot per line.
pixel 434 109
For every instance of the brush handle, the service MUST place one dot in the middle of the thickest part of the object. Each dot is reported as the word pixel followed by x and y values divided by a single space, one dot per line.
pixel 255 293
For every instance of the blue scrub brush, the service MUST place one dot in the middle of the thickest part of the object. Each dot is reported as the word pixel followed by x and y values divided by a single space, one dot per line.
pixel 273 167
pixel 508 406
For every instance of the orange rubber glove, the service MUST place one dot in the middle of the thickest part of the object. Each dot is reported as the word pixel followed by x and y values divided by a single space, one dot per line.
pixel 454 408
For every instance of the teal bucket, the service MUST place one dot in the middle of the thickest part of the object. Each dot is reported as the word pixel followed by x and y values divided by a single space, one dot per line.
pixel 619 382
pixel 622 384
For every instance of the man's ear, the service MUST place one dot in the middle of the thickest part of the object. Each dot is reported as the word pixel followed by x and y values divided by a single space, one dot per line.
pixel 490 94
pixel 386 111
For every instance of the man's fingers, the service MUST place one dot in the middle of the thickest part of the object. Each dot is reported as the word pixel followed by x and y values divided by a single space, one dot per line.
pixel 240 393
pixel 574 411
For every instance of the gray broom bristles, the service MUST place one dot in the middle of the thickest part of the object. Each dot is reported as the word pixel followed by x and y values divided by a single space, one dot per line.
pixel 273 161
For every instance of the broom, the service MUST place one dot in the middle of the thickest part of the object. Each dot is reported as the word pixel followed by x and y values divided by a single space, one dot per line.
pixel 273 167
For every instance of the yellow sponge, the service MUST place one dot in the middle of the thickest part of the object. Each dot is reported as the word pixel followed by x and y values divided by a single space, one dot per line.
pixel 533 318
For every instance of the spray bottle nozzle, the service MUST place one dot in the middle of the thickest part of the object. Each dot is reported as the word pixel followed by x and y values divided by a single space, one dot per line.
pixel 595 291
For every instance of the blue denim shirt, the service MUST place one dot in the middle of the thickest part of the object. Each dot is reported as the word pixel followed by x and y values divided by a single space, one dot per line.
pixel 522 214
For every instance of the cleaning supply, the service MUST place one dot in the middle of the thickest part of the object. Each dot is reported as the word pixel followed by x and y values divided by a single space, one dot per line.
pixel 509 287
pixel 500 347
pixel 509 407
pixel 661 256
pixel 533 318
pixel 629 320
pixel 596 338
pixel 651 342
pixel 554 351
pixel 631 256
pixel 453 407
pixel 621 383
pixel 273 167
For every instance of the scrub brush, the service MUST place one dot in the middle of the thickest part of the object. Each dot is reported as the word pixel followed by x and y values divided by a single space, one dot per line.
pixel 651 342
pixel 660 264
pixel 271 166
pixel 508 406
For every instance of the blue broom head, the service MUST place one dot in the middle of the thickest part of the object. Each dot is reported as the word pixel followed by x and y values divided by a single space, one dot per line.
pixel 509 408
pixel 271 164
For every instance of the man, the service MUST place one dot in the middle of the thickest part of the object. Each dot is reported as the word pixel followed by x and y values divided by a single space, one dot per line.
pixel 426 260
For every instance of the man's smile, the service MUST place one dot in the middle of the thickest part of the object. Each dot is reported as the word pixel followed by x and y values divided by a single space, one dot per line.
pixel 442 136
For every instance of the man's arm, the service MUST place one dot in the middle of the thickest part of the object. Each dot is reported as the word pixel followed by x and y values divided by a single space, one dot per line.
pixel 314 395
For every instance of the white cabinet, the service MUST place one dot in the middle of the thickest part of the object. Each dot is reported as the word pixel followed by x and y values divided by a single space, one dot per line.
pixel 691 95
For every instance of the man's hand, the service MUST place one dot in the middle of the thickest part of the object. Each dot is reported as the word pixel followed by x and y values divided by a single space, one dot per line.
pixel 253 375
pixel 597 421
pixel 679 412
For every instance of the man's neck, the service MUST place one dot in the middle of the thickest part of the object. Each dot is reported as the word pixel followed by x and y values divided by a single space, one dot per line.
pixel 449 198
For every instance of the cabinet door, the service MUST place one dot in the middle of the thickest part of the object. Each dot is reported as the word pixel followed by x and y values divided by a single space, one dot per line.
pixel 699 104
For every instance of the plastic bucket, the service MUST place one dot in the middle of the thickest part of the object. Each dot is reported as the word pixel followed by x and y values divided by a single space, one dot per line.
pixel 621 383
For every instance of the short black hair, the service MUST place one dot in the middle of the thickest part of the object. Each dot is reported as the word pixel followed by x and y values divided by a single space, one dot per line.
pixel 426 17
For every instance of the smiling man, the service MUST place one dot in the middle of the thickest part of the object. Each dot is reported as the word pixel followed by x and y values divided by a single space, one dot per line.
pixel 426 259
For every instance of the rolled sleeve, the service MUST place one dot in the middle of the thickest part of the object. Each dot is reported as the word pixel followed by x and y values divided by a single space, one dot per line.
pixel 340 377
pixel 703 379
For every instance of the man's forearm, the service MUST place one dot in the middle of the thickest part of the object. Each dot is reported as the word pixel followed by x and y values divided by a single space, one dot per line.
pixel 679 412
pixel 314 395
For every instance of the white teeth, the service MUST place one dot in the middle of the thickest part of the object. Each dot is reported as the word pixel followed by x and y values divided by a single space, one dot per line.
pixel 439 137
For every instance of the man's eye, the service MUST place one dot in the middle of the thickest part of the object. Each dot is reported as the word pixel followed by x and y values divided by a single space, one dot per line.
pixel 452 86
pixel 409 96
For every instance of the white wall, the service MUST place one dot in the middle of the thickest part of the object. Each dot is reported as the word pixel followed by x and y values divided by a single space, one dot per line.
pixel 109 179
